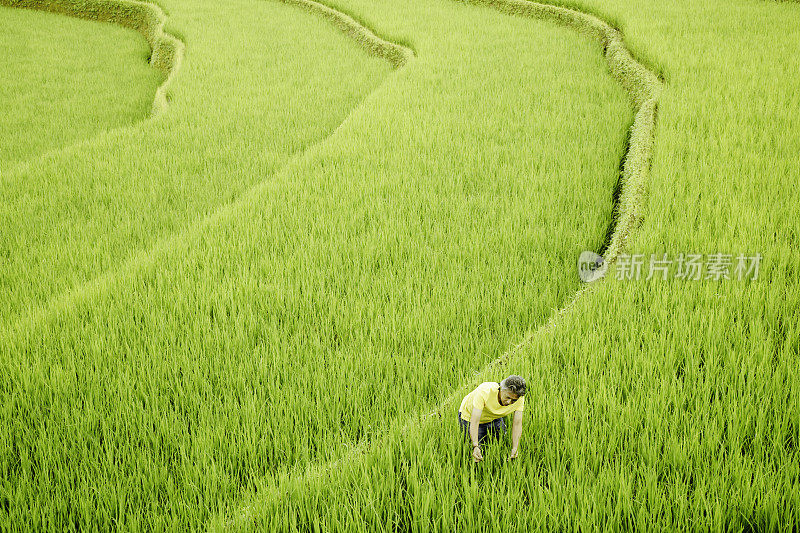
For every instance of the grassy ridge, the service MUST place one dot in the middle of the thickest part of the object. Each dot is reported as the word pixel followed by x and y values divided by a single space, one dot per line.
pixel 336 299
pixel 45 81
pixel 662 404
pixel 395 53
pixel 75 214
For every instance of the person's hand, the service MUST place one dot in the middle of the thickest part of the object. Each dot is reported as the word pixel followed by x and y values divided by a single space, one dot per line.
pixel 477 456
pixel 513 454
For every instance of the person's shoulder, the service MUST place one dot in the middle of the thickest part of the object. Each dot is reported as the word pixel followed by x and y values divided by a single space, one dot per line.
pixel 489 386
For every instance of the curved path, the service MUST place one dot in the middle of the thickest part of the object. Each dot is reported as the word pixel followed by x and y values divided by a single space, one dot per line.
pixel 643 86
pixel 396 54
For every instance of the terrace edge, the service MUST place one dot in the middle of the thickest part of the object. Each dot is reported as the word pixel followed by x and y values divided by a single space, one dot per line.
pixel 396 54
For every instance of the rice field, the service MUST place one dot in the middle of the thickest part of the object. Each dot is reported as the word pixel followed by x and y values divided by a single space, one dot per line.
pixel 259 305
pixel 87 77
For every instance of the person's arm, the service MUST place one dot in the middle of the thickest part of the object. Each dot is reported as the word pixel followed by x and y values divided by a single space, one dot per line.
pixel 474 422
pixel 516 433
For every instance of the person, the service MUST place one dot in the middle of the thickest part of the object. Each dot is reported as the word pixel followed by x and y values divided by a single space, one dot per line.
pixel 482 413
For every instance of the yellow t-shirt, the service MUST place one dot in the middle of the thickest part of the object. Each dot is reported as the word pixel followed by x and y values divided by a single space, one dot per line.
pixel 485 397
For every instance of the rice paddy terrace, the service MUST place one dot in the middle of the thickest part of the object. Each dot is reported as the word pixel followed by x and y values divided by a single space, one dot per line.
pixel 254 253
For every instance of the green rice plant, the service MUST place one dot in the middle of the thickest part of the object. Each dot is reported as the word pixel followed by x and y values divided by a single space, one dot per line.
pixel 166 51
pixel 245 105
pixel 66 80
pixel 319 312
pixel 661 404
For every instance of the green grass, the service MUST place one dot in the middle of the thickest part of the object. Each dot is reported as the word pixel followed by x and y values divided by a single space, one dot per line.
pixel 64 80
pixel 240 313
pixel 344 293
pixel 653 405
pixel 74 215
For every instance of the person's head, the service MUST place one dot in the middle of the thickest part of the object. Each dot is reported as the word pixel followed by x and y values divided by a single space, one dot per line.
pixel 511 389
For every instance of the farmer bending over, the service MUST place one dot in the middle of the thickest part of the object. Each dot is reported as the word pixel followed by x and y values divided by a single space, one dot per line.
pixel 483 410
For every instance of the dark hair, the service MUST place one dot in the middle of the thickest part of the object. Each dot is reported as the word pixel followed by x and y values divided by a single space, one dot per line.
pixel 514 384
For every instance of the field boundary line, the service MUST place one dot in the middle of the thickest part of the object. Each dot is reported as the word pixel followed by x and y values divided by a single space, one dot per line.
pixel 395 53
pixel 644 88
